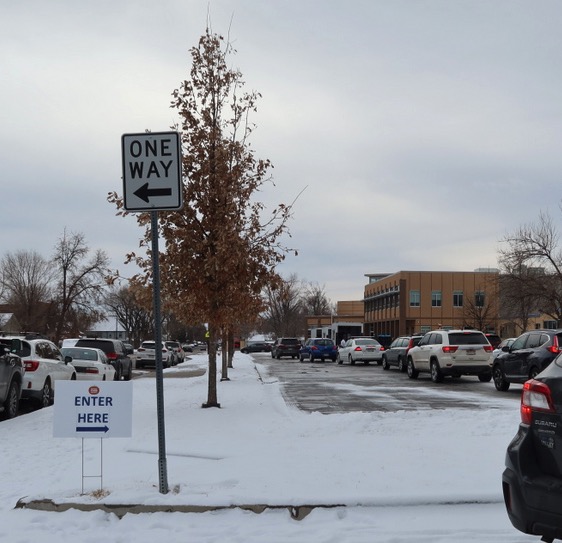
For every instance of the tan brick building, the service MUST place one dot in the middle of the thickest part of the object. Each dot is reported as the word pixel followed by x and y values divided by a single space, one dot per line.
pixel 410 302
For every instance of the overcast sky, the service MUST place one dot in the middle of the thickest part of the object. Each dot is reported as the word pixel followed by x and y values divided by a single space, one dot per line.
pixel 421 131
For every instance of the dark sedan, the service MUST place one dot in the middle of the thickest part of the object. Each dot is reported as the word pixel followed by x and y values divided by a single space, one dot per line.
pixel 532 479
pixel 397 353
pixel 256 347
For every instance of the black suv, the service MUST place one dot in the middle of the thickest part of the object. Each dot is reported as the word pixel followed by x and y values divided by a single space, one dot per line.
pixel 286 346
pixel 11 377
pixel 527 356
pixel 532 479
pixel 115 351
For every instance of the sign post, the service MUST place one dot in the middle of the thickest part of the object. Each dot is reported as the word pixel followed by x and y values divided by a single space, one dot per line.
pixel 152 181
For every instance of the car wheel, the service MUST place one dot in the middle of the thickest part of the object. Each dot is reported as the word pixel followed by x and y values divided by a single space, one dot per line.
pixel 338 359
pixel 11 404
pixel 278 357
pixel 401 366
pixel 46 395
pixel 499 379
pixel 350 359
pixel 129 375
pixel 301 357
pixel 117 376
pixel 385 365
pixel 310 357
pixel 411 369
pixel 534 372
pixel 272 355
pixel 436 375
pixel 485 377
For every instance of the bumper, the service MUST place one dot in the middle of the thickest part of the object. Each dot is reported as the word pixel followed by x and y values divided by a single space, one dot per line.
pixel 467 369
pixel 533 500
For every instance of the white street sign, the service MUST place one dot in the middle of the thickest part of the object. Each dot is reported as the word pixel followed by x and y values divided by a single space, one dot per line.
pixel 93 409
pixel 152 179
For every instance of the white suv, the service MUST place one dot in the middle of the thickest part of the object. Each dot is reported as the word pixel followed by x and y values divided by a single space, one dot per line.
pixel 44 366
pixel 146 355
pixel 451 352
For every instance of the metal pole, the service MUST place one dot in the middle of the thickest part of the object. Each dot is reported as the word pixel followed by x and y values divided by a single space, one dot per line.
pixel 162 469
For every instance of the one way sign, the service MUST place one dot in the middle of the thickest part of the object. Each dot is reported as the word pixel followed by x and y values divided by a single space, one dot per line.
pixel 151 171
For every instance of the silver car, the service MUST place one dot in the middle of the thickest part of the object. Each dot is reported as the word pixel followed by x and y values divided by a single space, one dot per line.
pixel 360 349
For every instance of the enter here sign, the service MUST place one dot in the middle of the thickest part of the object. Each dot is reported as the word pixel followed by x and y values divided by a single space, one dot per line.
pixel 93 409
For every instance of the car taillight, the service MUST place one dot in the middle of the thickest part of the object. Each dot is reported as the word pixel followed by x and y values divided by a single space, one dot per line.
pixel 140 349
pixel 382 348
pixel 449 348
pixel 488 348
pixel 92 370
pixel 31 365
pixel 314 348
pixel 555 347
pixel 535 397
pixel 358 348
pixel 112 356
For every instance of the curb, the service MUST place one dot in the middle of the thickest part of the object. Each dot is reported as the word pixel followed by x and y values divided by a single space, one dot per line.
pixel 297 512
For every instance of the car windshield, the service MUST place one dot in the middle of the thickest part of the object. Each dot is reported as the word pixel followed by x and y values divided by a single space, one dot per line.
pixel 464 338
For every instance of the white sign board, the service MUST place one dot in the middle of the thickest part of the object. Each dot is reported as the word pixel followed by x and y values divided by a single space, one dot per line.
pixel 93 409
pixel 152 179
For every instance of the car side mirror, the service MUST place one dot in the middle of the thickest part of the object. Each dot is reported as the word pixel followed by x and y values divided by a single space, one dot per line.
pixel 67 359
pixel 506 348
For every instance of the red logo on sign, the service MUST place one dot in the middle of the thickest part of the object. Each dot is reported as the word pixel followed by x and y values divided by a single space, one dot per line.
pixel 94 390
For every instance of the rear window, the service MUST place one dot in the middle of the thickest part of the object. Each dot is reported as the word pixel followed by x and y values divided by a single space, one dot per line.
pixel 465 338
pixel 367 342
pixel 105 346
pixel 148 344
pixel 324 342
pixel 289 341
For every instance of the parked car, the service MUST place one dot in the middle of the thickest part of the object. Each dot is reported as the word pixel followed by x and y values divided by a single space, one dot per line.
pixel 360 349
pixel 397 353
pixel 11 377
pixel 451 352
pixel 90 364
pixel 176 352
pixel 493 339
pixel 256 347
pixel 527 356
pixel 532 479
pixel 321 348
pixel 504 343
pixel 146 355
pixel 44 365
pixel 115 351
pixel 286 346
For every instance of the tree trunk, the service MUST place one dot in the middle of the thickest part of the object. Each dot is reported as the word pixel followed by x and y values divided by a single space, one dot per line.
pixel 224 354
pixel 230 347
pixel 212 400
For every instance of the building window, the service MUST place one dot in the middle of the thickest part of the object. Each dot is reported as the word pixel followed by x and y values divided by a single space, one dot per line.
pixel 479 298
pixel 550 325
pixel 424 329
pixel 436 298
pixel 415 298
pixel 457 298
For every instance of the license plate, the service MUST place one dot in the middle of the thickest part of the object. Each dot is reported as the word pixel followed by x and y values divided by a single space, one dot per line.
pixel 369 349
pixel 470 351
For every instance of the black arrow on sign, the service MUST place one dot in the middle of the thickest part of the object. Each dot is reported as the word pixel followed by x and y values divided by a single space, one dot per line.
pixel 92 429
pixel 144 193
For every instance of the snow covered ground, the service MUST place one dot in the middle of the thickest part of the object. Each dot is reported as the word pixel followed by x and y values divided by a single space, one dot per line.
pixel 428 476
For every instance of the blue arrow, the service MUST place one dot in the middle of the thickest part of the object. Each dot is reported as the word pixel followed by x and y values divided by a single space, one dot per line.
pixel 92 428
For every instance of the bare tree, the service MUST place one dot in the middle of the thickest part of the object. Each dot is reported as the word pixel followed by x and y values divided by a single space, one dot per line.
pixel 129 305
pixel 532 259
pixel 316 301
pixel 27 281
pixel 284 313
pixel 80 284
